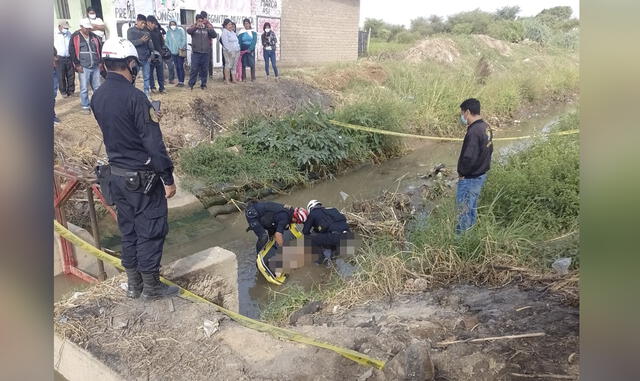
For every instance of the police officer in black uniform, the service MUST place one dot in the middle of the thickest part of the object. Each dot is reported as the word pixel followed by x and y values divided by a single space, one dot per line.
pixel 140 179
pixel 326 228
pixel 270 219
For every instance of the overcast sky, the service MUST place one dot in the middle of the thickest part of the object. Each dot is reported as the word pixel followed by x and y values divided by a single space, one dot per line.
pixel 402 11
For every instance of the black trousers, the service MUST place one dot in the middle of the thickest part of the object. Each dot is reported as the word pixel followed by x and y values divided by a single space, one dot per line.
pixel 143 224
pixel 328 240
pixel 66 76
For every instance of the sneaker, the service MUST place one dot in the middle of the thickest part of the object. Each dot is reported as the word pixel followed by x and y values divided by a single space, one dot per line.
pixel 173 81
pixel 153 90
pixel 86 110
pixel 56 120
pixel 162 91
pixel 191 87
pixel 180 84
pixel 203 87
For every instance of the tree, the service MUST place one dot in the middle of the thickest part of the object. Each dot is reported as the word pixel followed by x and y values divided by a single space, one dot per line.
pixel 437 24
pixel 558 18
pixel 421 26
pixel 477 21
pixel 508 13
pixel 376 26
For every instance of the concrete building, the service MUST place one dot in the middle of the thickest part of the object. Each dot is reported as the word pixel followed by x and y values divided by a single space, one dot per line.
pixel 310 31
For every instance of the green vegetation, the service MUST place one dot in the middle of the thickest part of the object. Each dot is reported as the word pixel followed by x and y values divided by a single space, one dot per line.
pixel 290 150
pixel 552 26
pixel 528 217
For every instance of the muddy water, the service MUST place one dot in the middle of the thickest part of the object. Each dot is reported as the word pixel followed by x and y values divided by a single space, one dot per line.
pixel 201 231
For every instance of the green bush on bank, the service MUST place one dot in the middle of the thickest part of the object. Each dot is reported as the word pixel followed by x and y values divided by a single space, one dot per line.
pixel 294 149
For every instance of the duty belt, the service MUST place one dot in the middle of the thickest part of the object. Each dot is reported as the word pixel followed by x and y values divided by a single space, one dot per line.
pixel 123 172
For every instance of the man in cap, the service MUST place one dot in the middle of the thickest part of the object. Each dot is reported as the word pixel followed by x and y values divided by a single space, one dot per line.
pixel 85 51
pixel 97 24
pixel 66 71
pixel 139 175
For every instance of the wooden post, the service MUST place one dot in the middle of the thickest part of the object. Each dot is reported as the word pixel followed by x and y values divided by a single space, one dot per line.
pixel 102 275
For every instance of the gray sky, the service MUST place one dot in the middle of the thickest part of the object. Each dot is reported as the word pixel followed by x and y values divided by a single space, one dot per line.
pixel 402 11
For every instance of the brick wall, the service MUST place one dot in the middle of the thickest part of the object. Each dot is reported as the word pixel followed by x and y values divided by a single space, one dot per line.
pixel 319 31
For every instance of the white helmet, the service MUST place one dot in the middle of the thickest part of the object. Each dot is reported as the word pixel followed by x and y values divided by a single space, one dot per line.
pixel 312 204
pixel 118 48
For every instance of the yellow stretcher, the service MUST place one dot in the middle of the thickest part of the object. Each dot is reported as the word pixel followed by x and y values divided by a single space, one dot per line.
pixel 262 265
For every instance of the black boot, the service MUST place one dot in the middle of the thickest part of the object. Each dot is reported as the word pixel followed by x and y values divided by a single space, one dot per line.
pixel 154 289
pixel 134 283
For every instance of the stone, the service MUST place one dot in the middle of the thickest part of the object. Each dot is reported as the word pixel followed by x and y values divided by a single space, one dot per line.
pixel 413 363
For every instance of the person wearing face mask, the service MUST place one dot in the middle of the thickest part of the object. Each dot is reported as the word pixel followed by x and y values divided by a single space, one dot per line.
pixel 97 25
pixel 473 163
pixel 138 178
pixel 177 43
pixel 66 71
pixel 269 41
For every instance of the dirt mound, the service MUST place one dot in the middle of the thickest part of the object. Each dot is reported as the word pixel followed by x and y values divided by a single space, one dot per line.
pixel 502 47
pixel 189 117
pixel 442 50
pixel 337 79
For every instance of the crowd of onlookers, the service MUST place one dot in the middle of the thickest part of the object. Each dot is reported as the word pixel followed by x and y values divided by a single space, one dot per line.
pixel 80 52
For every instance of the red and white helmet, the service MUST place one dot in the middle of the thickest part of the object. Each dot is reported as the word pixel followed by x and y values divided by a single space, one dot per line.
pixel 300 215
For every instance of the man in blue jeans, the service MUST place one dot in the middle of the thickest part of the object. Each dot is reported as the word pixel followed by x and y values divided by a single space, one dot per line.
pixel 473 163
pixel 85 50
pixel 141 38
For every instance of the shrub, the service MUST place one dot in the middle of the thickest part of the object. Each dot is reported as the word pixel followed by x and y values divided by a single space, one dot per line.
pixel 406 37
pixel 463 28
pixel 512 31
pixel 536 31
pixel 539 185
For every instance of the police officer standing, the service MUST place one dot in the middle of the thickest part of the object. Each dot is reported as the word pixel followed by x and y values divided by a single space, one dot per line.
pixel 326 227
pixel 139 167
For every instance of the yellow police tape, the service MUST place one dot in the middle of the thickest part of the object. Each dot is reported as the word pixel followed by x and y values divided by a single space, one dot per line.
pixel 405 135
pixel 241 319
pixel 262 266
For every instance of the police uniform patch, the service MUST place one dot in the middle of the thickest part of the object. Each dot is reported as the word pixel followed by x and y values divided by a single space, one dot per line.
pixel 153 115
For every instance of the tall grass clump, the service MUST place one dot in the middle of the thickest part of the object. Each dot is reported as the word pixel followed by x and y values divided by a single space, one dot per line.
pixel 539 185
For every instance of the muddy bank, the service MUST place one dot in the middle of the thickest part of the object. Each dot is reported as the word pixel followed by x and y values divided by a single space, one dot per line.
pixel 383 328
pixel 177 339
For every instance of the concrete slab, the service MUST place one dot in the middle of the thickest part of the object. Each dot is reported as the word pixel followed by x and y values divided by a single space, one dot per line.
pixel 75 363
pixel 211 273
pixel 183 202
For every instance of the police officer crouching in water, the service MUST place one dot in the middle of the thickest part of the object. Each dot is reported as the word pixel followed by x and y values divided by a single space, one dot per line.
pixel 326 227
pixel 137 160
pixel 270 219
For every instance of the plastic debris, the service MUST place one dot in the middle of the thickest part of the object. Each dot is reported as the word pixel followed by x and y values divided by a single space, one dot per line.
pixel 561 265
pixel 210 327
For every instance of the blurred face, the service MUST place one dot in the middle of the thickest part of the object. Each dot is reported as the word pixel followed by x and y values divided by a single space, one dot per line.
pixel 200 22
pixel 247 25
pixel 85 30
pixel 172 25
pixel 141 24
pixel 152 25
pixel 229 27
pixel 92 15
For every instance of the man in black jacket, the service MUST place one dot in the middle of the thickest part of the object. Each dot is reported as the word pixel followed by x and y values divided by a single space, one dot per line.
pixel 156 59
pixel 202 34
pixel 473 163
